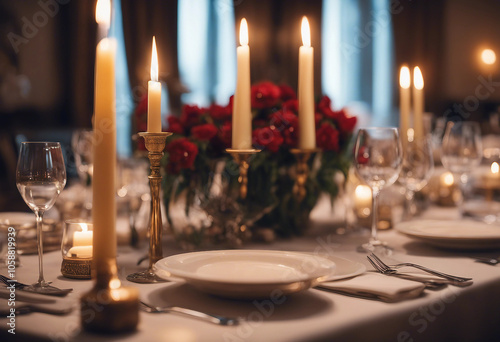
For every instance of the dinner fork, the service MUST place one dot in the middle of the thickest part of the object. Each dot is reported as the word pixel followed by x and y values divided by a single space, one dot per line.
pixel 193 313
pixel 392 269
pixel 54 291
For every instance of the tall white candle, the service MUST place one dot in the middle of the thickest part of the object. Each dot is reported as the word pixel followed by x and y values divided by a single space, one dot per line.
pixel 404 103
pixel 154 95
pixel 418 102
pixel 307 127
pixel 242 110
pixel 103 181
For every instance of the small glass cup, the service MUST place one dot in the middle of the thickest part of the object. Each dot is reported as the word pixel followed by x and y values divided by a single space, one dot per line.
pixel 76 248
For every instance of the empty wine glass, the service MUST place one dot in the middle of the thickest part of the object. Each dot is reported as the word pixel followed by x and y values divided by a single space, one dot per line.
pixel 81 144
pixel 417 168
pixel 378 159
pixel 40 178
pixel 462 151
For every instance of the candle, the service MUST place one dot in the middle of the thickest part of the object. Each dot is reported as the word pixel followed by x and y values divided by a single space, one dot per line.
pixel 418 102
pixel 491 180
pixel 363 200
pixel 404 103
pixel 242 111
pixel 83 238
pixel 307 128
pixel 80 252
pixel 154 95
pixel 103 182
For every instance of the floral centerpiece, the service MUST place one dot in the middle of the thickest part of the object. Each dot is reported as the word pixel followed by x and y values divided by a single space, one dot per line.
pixel 201 135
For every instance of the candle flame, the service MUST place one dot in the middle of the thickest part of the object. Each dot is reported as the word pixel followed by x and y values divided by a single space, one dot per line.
pixel 404 77
pixel 418 80
pixel 488 56
pixel 84 227
pixel 103 12
pixel 448 178
pixel 363 192
pixel 243 32
pixel 410 133
pixel 495 168
pixel 154 62
pixel 306 32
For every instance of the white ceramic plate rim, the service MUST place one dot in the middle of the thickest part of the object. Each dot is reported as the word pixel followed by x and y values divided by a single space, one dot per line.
pixel 162 268
pixel 424 229
pixel 345 268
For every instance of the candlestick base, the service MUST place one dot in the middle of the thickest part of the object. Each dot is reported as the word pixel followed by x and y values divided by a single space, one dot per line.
pixel 76 268
pixel 242 157
pixel 108 307
pixel 302 156
pixel 155 144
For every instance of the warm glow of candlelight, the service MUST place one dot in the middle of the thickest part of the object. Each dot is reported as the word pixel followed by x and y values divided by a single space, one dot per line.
pixel 447 179
pixel 243 32
pixel 363 192
pixel 404 77
pixel 488 56
pixel 418 80
pixel 154 62
pixel 306 32
pixel 495 168
pixel 103 12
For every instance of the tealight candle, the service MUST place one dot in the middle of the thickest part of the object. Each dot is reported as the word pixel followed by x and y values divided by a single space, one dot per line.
pixel 77 249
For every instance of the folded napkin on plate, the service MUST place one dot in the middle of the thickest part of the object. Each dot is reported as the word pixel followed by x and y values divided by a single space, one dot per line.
pixel 376 286
pixel 36 302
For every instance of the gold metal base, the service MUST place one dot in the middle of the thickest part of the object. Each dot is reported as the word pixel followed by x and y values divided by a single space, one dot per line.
pixel 109 308
pixel 242 158
pixel 302 156
pixel 76 268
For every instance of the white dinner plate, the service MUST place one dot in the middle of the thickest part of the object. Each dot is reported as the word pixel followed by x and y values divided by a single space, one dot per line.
pixel 344 268
pixel 455 234
pixel 246 273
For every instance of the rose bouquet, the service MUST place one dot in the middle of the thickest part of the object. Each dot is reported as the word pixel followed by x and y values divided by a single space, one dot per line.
pixel 201 135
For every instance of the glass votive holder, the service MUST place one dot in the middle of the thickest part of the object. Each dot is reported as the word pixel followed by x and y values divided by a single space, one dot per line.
pixel 76 248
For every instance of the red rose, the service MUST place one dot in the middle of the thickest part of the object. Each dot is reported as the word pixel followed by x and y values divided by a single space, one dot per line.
pixel 292 106
pixel 221 112
pixel 346 123
pixel 327 137
pixel 318 117
pixel 191 116
pixel 174 125
pixel 204 132
pixel 142 106
pixel 265 95
pixel 324 104
pixel 225 134
pixel 287 123
pixel 287 93
pixel 267 138
pixel 182 154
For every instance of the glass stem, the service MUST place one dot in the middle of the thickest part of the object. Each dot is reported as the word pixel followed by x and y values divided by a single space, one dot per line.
pixel 39 218
pixel 411 209
pixel 376 193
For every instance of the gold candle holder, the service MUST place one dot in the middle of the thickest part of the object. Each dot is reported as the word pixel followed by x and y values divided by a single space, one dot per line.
pixel 108 307
pixel 155 144
pixel 302 171
pixel 242 157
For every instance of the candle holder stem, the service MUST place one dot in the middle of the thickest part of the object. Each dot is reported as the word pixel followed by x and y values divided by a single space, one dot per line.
pixel 242 158
pixel 302 171
pixel 155 143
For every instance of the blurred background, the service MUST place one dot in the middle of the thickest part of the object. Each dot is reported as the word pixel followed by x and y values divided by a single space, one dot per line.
pixel 47 51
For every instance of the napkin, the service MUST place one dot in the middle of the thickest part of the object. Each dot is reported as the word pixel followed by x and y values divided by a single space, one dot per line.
pixel 35 302
pixel 376 286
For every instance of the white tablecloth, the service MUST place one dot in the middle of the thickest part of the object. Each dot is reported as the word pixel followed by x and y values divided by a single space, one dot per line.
pixel 450 314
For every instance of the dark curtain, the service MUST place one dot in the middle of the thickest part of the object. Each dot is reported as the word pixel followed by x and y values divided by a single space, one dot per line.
pixel 275 38
pixel 141 21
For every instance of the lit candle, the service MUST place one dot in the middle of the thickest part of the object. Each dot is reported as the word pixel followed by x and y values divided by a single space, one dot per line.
pixel 103 182
pixel 242 111
pixel 307 129
pixel 418 102
pixel 404 103
pixel 80 252
pixel 83 238
pixel 492 178
pixel 363 200
pixel 154 95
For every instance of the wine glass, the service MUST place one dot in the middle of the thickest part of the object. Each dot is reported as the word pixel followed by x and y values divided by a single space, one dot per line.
pixel 81 144
pixel 40 178
pixel 378 159
pixel 462 151
pixel 417 168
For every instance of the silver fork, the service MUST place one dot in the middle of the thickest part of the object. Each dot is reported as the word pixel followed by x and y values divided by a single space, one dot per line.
pixel 193 313
pixel 392 269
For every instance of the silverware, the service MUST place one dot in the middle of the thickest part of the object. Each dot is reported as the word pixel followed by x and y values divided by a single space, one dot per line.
pixel 24 308
pixel 54 291
pixel 488 261
pixel 197 314
pixel 386 269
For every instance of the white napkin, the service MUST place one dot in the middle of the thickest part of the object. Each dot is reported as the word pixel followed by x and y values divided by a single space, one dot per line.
pixel 376 286
pixel 36 302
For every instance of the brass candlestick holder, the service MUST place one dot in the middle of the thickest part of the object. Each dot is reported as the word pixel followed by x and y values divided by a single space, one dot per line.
pixel 302 172
pixel 155 143
pixel 242 157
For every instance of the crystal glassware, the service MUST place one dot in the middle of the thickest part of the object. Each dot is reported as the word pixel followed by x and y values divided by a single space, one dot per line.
pixel 462 151
pixel 40 178
pixel 378 160
pixel 81 144
pixel 417 168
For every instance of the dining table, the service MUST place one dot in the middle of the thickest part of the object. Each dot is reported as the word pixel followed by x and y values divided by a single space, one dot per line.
pixel 449 313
